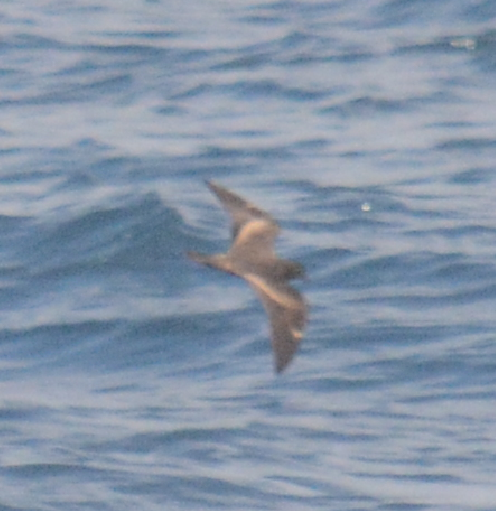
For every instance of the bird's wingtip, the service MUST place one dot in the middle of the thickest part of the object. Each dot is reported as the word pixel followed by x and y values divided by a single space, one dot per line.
pixel 212 185
pixel 280 365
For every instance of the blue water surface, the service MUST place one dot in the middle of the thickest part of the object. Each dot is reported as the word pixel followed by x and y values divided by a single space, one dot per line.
pixel 132 378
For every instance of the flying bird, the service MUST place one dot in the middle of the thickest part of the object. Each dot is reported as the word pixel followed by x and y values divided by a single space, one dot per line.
pixel 251 256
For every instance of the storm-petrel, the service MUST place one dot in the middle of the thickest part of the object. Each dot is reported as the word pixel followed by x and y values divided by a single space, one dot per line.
pixel 252 257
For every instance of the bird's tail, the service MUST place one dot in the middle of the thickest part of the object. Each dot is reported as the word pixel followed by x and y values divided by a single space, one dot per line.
pixel 199 258
pixel 217 261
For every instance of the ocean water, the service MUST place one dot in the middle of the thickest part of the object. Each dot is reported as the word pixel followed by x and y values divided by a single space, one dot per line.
pixel 132 379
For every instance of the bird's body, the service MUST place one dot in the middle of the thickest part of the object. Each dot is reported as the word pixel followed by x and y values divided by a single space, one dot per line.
pixel 252 257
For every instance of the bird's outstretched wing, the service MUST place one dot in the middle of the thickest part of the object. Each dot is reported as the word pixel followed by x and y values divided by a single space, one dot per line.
pixel 287 313
pixel 253 230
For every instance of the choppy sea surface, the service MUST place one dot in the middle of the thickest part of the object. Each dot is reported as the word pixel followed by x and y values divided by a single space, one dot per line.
pixel 131 378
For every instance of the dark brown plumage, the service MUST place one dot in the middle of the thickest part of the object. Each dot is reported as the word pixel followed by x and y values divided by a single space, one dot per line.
pixel 252 257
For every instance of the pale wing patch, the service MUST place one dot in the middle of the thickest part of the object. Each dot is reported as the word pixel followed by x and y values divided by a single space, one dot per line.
pixel 279 297
pixel 252 229
pixel 297 334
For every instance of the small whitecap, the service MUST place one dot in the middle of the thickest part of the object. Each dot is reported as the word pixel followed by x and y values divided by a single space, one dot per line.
pixel 463 42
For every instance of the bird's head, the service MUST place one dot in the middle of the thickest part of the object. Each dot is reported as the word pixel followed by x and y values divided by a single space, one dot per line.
pixel 290 270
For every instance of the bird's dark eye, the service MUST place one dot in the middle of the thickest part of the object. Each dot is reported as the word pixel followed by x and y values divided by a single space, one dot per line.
pixel 293 270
